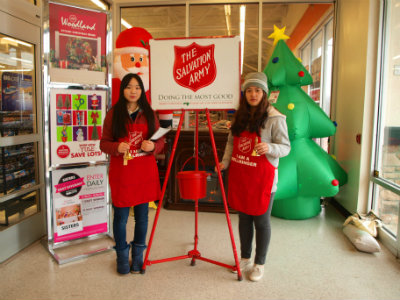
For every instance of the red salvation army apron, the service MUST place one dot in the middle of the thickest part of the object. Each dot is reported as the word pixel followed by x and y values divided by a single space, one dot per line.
pixel 250 177
pixel 137 182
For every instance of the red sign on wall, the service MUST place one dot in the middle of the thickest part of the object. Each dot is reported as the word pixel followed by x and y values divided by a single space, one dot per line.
pixel 194 66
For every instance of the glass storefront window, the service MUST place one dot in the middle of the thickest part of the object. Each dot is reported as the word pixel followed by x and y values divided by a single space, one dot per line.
pixel 387 159
pixel 327 68
pixel 317 57
pixel 387 208
pixel 227 20
pixel 280 15
pixel 316 66
pixel 305 55
pixel 17 115
pixel 159 21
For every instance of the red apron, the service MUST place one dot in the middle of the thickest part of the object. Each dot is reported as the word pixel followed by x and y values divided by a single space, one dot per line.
pixel 138 182
pixel 250 177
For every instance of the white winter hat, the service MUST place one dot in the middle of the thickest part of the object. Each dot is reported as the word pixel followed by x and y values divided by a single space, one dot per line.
pixel 258 79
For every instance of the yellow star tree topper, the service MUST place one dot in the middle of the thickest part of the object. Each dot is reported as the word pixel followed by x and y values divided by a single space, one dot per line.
pixel 278 34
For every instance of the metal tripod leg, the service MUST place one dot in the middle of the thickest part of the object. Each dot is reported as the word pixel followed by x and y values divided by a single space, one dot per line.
pixel 228 219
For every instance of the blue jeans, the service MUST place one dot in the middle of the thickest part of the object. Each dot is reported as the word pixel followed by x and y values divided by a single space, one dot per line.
pixel 121 215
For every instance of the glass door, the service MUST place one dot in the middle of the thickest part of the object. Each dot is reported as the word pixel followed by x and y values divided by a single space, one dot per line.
pixel 22 216
pixel 317 56
pixel 386 179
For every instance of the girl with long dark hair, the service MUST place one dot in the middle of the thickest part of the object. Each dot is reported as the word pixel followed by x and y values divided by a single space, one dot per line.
pixel 133 173
pixel 258 138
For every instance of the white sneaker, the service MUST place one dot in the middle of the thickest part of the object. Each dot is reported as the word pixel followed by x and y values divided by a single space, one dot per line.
pixel 257 272
pixel 244 265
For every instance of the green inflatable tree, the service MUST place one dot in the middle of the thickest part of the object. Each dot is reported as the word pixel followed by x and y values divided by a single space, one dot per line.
pixel 308 172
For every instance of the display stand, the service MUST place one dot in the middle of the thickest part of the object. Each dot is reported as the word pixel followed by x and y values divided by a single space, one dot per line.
pixel 76 93
pixel 194 254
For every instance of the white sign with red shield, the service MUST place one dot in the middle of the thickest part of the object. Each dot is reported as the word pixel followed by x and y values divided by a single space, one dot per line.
pixel 195 73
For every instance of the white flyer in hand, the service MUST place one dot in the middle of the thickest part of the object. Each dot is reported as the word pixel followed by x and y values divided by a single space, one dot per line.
pixel 159 133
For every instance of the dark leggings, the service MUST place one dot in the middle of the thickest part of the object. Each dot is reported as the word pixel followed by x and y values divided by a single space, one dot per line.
pixel 262 225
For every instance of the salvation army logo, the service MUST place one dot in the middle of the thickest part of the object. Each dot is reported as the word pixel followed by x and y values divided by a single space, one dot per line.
pixel 244 144
pixel 63 151
pixel 135 137
pixel 194 66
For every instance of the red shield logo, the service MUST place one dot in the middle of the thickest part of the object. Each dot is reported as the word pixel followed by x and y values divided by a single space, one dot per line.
pixel 244 144
pixel 194 66
pixel 135 138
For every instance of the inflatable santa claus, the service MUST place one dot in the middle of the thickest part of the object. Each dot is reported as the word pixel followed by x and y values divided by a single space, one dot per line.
pixel 131 55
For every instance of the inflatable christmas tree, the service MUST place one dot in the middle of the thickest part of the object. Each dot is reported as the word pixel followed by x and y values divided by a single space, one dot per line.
pixel 308 172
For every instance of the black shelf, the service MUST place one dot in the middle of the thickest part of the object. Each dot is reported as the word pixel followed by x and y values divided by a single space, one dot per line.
pixel 17 172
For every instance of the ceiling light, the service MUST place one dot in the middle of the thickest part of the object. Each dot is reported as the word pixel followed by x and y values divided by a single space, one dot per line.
pixel 242 29
pixel 125 23
pixel 16 41
pixel 23 60
pixel 100 4
pixel 17 70
pixel 228 18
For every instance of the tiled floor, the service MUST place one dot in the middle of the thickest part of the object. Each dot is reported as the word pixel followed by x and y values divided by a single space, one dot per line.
pixel 308 259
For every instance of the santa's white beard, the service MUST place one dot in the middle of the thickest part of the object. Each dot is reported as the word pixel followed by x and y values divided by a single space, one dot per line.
pixel 120 72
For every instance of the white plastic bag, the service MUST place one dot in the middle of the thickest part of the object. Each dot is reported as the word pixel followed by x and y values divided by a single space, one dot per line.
pixel 362 240
pixel 369 222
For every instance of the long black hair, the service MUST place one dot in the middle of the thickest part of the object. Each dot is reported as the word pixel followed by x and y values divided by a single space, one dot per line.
pixel 121 116
pixel 245 119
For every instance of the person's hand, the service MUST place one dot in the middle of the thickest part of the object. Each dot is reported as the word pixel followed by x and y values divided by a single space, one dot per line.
pixel 261 148
pixel 147 146
pixel 123 147
pixel 221 167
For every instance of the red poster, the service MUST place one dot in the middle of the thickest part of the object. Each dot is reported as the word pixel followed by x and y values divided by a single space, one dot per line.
pixel 77 42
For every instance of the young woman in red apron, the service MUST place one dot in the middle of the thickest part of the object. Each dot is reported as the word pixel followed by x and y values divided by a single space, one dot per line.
pixel 133 173
pixel 258 138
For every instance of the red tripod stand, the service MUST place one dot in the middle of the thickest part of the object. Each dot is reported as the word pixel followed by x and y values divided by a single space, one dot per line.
pixel 194 254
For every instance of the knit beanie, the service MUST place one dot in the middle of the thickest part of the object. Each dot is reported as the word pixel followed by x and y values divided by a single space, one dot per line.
pixel 258 79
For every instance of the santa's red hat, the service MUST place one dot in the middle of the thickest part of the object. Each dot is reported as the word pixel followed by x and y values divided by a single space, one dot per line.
pixel 133 40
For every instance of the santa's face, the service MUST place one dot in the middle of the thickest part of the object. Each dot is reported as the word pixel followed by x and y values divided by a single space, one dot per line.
pixel 137 63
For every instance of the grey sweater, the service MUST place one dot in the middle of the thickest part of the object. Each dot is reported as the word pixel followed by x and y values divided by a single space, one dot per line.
pixel 275 134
